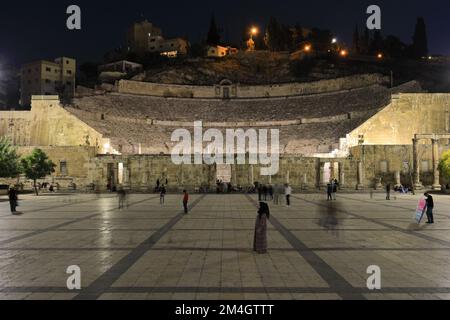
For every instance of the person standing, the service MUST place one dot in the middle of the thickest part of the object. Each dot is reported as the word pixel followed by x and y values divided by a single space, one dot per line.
pixel 260 238
pixel 288 193
pixel 12 195
pixel 185 201
pixel 162 194
pixel 329 191
pixel 122 196
pixel 264 189
pixel 276 194
pixel 334 189
pixel 259 192
pixel 430 206
pixel 388 191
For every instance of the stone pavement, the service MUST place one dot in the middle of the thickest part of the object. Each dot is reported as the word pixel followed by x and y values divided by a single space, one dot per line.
pixel 317 249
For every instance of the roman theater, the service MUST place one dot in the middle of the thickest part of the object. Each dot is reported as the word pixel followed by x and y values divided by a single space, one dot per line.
pixel 356 129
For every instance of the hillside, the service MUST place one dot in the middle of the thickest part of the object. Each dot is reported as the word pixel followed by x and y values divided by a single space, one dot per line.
pixel 263 67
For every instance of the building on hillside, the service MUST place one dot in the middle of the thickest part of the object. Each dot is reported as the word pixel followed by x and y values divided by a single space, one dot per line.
pixel 138 35
pixel 220 51
pixel 47 78
pixel 122 66
pixel 145 37
pixel 171 48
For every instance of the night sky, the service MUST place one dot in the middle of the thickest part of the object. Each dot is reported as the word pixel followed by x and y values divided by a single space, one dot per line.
pixel 31 30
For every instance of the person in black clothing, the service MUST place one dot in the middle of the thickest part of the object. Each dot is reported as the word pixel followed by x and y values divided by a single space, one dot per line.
pixel 430 206
pixel 388 191
pixel 264 190
pixel 12 195
pixel 329 191
pixel 259 192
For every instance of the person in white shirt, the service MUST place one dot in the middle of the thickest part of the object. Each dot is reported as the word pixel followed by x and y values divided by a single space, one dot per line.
pixel 288 193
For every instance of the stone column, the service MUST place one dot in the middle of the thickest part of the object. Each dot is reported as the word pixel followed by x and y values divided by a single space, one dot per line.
pixel 234 175
pixel 360 184
pixel 417 184
pixel 287 177
pixel 436 173
pixel 322 175
pixel 397 178
pixel 252 177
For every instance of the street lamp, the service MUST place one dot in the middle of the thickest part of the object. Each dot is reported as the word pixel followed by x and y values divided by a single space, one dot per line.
pixel 344 53
pixel 380 56
pixel 334 41
pixel 253 31
pixel 307 48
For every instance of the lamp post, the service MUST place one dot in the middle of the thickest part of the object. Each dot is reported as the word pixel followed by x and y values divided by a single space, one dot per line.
pixel 251 43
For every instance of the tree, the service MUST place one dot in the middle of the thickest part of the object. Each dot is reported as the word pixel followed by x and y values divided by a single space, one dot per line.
pixel 320 39
pixel 297 37
pixel 376 45
pixel 9 160
pixel 213 38
pixel 394 47
pixel 37 166
pixel 420 41
pixel 444 165
pixel 274 37
pixel 356 40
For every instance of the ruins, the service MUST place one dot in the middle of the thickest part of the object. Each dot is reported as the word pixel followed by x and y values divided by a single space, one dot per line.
pixel 353 129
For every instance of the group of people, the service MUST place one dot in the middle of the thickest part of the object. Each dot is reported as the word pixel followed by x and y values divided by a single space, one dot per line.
pixel 332 189
pixel 274 193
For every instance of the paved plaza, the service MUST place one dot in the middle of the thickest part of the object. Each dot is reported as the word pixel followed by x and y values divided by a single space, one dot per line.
pixel 153 251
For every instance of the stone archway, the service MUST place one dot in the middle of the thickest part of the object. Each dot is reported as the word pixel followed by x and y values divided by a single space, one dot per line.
pixel 226 89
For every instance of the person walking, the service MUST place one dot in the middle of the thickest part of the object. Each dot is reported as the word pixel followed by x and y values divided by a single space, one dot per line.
pixel 162 194
pixel 430 207
pixel 185 201
pixel 334 189
pixel 259 192
pixel 122 196
pixel 12 195
pixel 388 191
pixel 288 193
pixel 260 238
pixel 276 194
pixel 329 192
pixel 264 190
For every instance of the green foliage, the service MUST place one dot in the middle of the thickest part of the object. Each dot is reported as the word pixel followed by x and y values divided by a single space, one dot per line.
pixel 9 160
pixel 444 165
pixel 37 165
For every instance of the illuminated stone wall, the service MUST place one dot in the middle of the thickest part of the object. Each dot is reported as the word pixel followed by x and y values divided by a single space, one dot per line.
pixel 246 91
pixel 408 114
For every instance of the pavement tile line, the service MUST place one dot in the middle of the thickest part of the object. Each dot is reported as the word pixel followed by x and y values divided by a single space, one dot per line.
pixel 108 278
pixel 306 290
pixel 65 224
pixel 336 282
pixel 64 205
pixel 394 228
pixel 390 205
